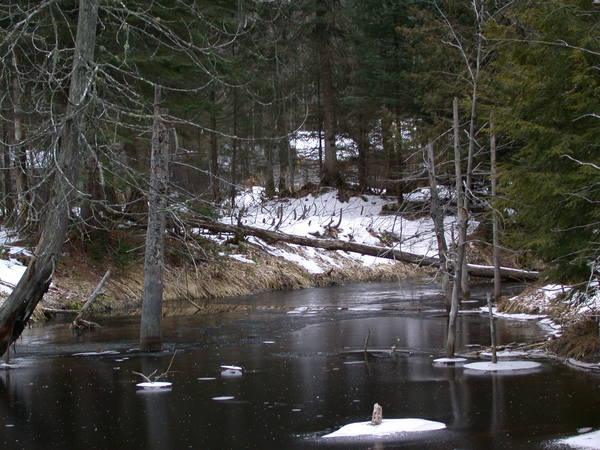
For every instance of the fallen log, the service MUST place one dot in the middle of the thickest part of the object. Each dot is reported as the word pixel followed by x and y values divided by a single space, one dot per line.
pixel 364 249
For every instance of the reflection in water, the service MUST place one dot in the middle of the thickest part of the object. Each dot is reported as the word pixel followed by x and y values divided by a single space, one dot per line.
pixel 292 391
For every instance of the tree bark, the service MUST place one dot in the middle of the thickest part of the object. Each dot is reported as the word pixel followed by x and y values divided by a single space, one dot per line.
pixel 363 147
pixel 214 151
pixel 20 153
pixel 462 235
pixel 34 283
pixel 437 215
pixel 331 175
pixel 150 325
pixel 364 249
pixel 9 204
pixel 234 147
pixel 495 234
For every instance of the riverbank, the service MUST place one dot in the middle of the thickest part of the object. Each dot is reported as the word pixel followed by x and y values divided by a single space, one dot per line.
pixel 201 266
pixel 569 313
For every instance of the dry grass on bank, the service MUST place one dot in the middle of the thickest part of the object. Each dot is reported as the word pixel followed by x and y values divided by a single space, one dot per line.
pixel 217 278
pixel 579 340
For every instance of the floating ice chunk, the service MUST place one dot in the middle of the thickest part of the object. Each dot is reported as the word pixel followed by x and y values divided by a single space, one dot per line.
pixel 502 366
pixel 107 352
pixel 206 379
pixel 587 440
pixel 223 398
pixel 449 361
pixel 505 354
pixel 387 427
pixel 268 342
pixel 154 385
pixel 231 371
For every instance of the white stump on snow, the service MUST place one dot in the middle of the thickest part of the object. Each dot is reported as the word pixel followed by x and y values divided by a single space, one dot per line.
pixel 377 416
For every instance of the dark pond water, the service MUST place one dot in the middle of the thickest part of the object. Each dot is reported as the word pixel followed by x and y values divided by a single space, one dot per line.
pixel 298 383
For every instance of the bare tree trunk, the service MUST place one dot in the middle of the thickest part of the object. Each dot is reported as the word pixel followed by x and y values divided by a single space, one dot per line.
pixel 472 123
pixel 234 148
pixel 9 204
pixel 21 178
pixel 331 175
pixel 214 152
pixel 34 283
pixel 495 238
pixel 150 332
pixel 268 170
pixel 437 215
pixel 320 118
pixel 284 155
pixel 462 235
pixel 94 193
pixel 363 147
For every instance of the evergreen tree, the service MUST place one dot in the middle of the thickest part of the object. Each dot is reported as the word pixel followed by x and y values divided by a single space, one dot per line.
pixel 546 87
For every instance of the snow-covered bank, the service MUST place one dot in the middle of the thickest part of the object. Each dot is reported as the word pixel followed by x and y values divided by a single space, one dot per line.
pixel 254 265
pixel 570 315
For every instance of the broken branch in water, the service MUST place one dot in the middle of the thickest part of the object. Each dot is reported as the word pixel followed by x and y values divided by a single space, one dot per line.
pixel 152 377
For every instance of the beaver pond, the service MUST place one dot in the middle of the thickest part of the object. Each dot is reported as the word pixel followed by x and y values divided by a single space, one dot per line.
pixel 303 375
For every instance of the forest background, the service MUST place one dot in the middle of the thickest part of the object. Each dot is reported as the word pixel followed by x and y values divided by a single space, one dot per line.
pixel 293 96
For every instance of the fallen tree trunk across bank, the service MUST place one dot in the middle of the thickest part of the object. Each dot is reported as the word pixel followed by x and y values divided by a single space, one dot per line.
pixel 364 249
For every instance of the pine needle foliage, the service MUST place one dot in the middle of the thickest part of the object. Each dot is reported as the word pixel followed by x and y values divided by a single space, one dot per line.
pixel 546 88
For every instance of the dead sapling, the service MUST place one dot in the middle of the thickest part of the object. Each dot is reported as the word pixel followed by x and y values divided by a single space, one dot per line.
pixel 79 323
pixel 153 377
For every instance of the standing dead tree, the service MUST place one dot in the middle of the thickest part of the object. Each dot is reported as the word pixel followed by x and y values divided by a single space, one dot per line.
pixel 462 222
pixel 150 332
pixel 437 215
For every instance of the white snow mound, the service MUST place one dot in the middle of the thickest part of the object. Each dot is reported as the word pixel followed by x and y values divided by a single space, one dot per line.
pixel 586 441
pixel 387 427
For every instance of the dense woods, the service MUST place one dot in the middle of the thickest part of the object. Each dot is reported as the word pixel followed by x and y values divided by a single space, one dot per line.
pixel 343 93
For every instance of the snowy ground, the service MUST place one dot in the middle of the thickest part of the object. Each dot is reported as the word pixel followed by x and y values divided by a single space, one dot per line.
pixel 11 269
pixel 358 219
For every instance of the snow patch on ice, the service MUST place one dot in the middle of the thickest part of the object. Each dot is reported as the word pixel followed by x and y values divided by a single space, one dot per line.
pixel 223 398
pixel 505 354
pixel 386 428
pixel 106 352
pixel 449 361
pixel 503 366
pixel 584 441
pixel 154 385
